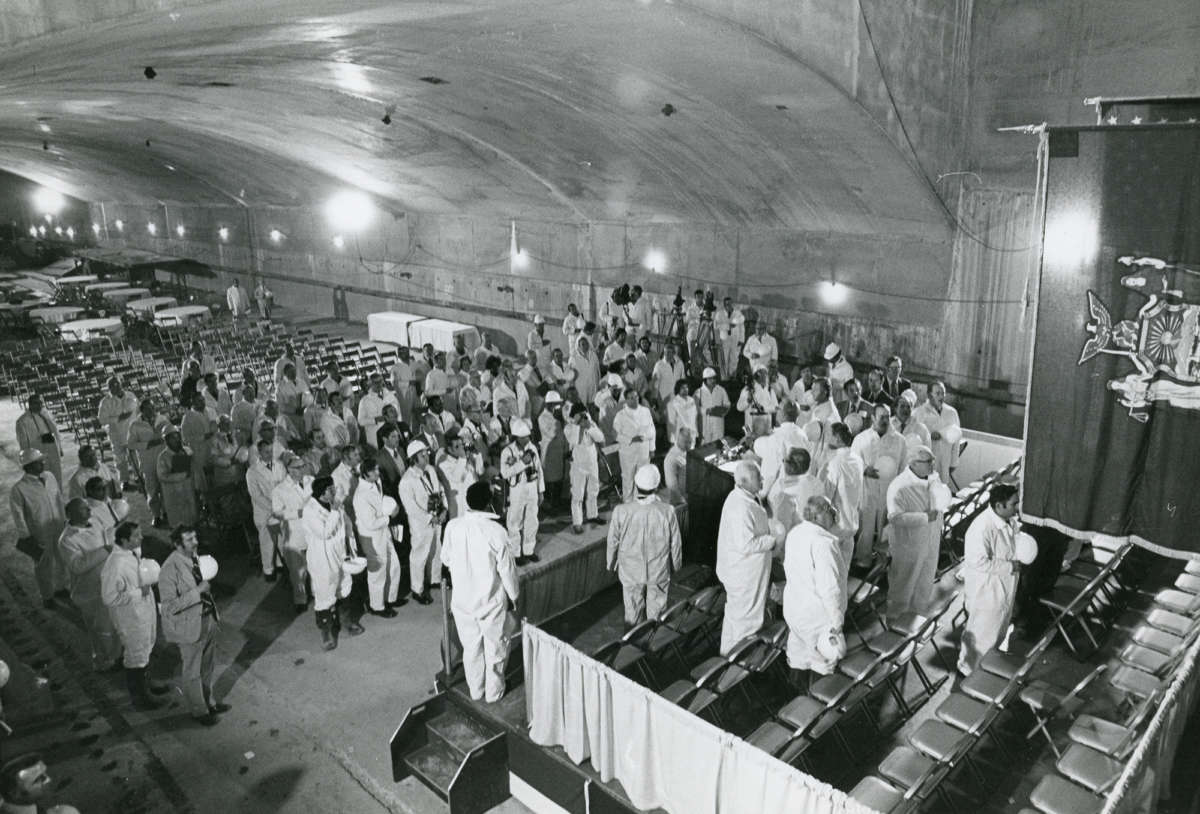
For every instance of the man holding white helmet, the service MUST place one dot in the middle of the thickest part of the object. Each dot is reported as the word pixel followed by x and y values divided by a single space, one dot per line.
pixel 374 514
pixel 584 439
pixel 634 429
pixel 944 429
pixel 915 529
pixel 814 597
pixel 483 576
pixel 840 371
pixel 129 600
pixel 714 405
pixel 84 552
pixel 521 468
pixel 883 451
pixel 745 540
pixel 990 567
pixel 330 543
pixel 644 548
pixel 37 512
pixel 425 505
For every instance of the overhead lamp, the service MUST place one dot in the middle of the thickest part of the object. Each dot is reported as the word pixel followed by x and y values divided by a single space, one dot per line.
pixel 276 235
pixel 120 224
pixel 48 217
pixel 655 260
pixel 33 231
pixel 518 257
pixel 96 229
pixel 152 228
pixel 48 200
pixel 58 230
pixel 223 233
pixel 349 210
pixel 42 231
pixel 70 233
pixel 833 292
pixel 179 230
pixel 339 242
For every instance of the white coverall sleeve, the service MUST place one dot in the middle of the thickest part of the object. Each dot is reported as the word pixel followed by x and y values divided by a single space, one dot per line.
pixel 506 566
pixel 17 503
pixel 616 527
pixel 828 583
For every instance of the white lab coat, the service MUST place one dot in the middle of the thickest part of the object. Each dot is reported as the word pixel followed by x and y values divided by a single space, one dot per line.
pixel 524 495
pixel 37 512
pixel 288 499
pixel 84 554
pixel 76 485
pixel 939 422
pixel 484 574
pixel 789 495
pixel 587 374
pixel 628 424
pixel 683 412
pixel 744 546
pixel 109 414
pixel 914 545
pixel 915 435
pixel 761 350
pixel 459 474
pixel 370 416
pixel 236 299
pixel 814 597
pixel 775 448
pixel 416 485
pixel 731 330
pixel 844 475
pixel 712 427
pixel 989 585
pixel 585 469
pixel 758 404
pixel 375 538
pixel 889 455
pixel 839 374
pixel 328 546
pixel 130 606
pixel 644 548
pixel 664 376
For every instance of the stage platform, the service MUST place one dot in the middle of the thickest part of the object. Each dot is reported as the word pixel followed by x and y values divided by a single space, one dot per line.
pixel 572 568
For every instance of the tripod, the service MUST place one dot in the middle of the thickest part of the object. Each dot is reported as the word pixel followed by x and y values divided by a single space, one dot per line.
pixel 707 353
pixel 674 326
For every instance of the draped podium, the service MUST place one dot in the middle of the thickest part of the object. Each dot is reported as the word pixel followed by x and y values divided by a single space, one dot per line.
pixel 1112 435
pixel 662 755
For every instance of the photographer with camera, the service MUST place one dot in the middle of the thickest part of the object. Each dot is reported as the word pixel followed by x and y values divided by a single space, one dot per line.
pixel 425 504
pixel 521 468
pixel 584 440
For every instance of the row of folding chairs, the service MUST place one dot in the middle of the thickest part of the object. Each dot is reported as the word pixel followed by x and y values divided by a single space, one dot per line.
pixel 881 662
pixel 1141 673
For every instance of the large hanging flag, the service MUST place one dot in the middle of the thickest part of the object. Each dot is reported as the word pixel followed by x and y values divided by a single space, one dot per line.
pixel 1112 425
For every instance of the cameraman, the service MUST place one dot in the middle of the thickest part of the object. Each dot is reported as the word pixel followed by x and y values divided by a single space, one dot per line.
pixel 521 468
pixel 425 504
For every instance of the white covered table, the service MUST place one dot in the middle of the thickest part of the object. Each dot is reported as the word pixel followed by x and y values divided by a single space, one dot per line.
pixel 112 286
pixel 149 305
pixel 182 315
pixel 83 329
pixel 76 279
pixel 390 326
pixel 55 314
pixel 125 294
pixel 440 333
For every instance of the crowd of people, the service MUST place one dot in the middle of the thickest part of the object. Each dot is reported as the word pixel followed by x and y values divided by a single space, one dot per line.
pixel 449 453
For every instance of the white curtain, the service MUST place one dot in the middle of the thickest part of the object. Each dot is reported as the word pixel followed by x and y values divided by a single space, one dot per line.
pixel 662 755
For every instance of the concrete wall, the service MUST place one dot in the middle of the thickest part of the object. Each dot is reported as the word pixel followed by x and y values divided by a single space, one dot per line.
pixel 922 46
pixel 25 19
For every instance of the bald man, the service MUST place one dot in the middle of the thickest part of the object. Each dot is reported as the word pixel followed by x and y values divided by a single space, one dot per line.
pixel 745 540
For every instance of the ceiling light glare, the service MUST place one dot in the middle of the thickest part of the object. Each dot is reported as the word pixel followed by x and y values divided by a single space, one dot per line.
pixel 179 230
pixel 223 233
pixel 655 260
pixel 520 260
pixel 42 231
pixel 58 230
pixel 1072 240
pixel 70 233
pixel 48 201
pixel 33 231
pixel 339 242
pixel 349 211
pixel 834 293
pixel 96 228
pixel 120 224
pixel 276 235
pixel 152 228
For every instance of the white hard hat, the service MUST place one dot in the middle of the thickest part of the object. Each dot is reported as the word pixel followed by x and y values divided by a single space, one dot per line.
pixel 613 380
pixel 940 496
pixel 647 478
pixel 553 397
pixel 538 319
pixel 831 351
pixel 831 646
pixel 169 429
pixel 1027 548
pixel 709 373
pixel 31 455
pixel 910 396
pixel 5 673
pixel 208 566
pixel 354 565
pixel 416 446
pixel 520 428
pixel 148 571
pixel 812 431
pixel 952 434
pixel 120 508
pixel 390 506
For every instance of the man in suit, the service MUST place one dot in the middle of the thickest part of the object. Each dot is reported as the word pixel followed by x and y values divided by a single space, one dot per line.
pixel 391 469
pixel 854 404
pixel 894 382
pixel 190 619
pixel 875 392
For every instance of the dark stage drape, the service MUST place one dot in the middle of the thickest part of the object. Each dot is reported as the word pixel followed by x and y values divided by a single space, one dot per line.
pixel 1112 438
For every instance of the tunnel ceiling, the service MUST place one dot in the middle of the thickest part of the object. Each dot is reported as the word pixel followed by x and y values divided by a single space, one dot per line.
pixel 555 110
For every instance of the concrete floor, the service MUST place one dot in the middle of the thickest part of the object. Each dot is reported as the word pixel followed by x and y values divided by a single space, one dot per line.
pixel 308 730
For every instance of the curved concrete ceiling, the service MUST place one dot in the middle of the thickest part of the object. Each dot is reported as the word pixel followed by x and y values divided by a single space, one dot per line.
pixel 526 109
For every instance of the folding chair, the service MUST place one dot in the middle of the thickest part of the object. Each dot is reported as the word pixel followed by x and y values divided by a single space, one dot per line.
pixel 1056 795
pixel 1046 703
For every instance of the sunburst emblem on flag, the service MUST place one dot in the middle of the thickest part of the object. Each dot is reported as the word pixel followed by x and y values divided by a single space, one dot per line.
pixel 1162 337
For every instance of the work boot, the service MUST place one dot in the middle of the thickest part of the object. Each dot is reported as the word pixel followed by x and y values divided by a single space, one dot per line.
pixel 328 631
pixel 135 681
pixel 345 612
